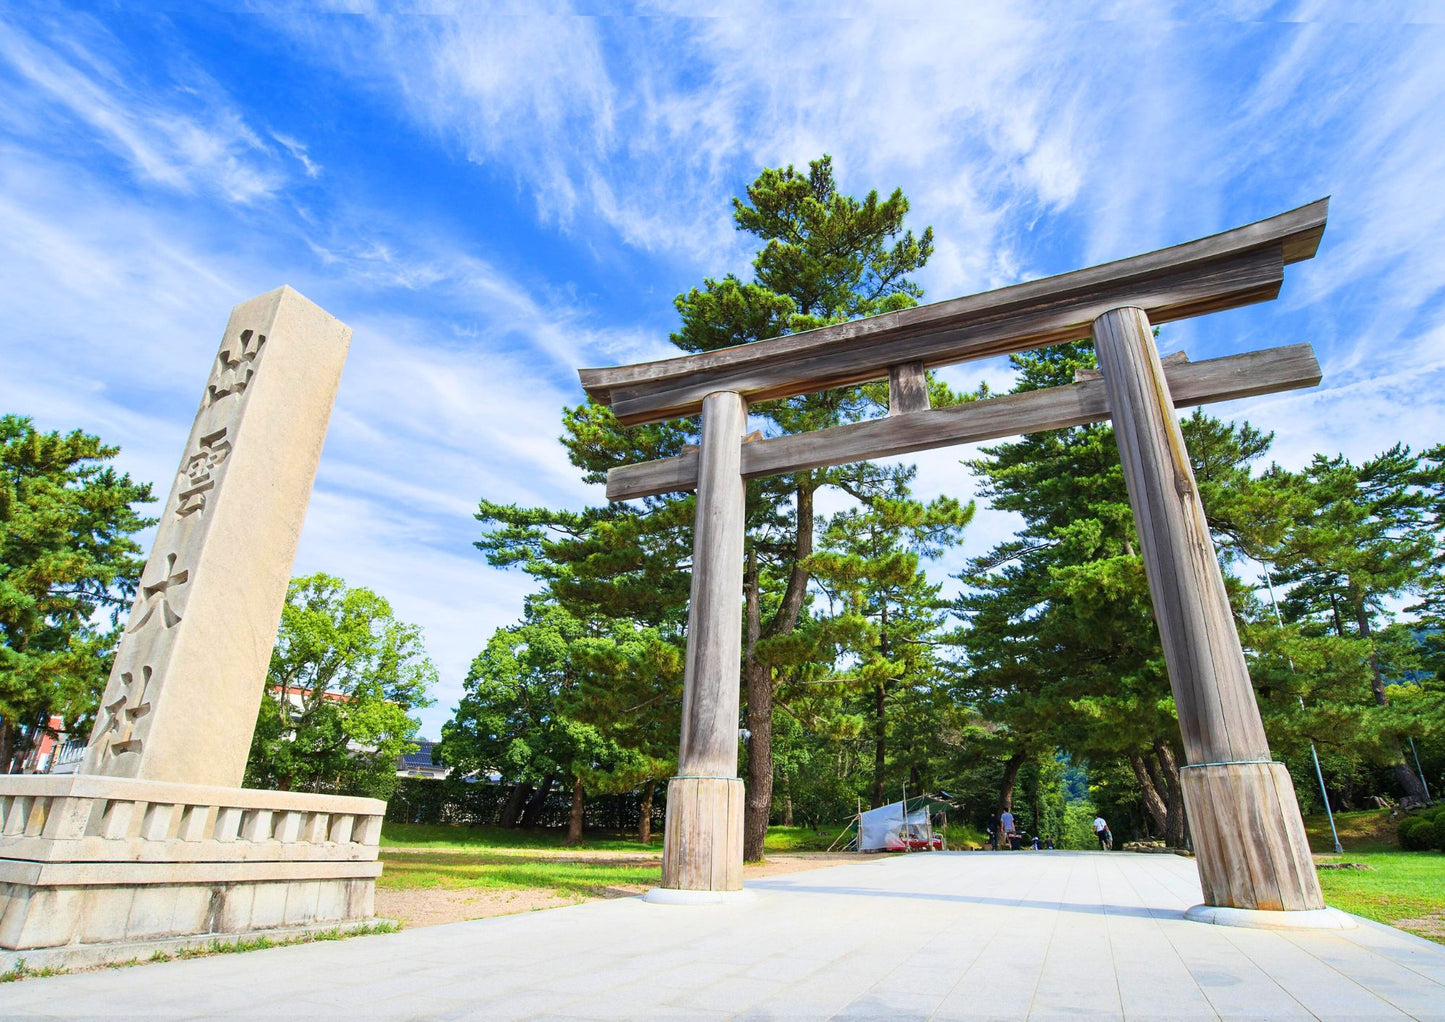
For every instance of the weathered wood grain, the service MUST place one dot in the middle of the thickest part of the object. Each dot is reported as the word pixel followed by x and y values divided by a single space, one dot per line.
pixel 1220 379
pixel 1210 681
pixel 907 388
pixel 1249 841
pixel 703 841
pixel 1223 271
pixel 710 693
pixel 1249 837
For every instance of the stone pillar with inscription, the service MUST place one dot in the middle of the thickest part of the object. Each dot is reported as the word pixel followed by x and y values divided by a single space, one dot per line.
pixel 154 842
pixel 188 678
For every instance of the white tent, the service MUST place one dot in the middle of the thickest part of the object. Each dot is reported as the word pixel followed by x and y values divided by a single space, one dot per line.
pixel 891 828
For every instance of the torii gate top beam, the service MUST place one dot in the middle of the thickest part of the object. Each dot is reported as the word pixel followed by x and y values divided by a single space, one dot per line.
pixel 1222 271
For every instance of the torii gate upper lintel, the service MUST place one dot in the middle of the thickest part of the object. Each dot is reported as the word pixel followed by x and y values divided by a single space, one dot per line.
pixel 1249 839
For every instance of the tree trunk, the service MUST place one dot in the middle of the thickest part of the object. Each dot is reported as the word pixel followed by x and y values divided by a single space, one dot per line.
pixel 1154 803
pixel 1176 829
pixel 574 821
pixel 7 745
pixel 880 723
pixel 758 801
pixel 533 813
pixel 644 822
pixel 513 808
pixel 1410 784
pixel 880 718
pixel 1006 786
pixel 787 810
pixel 758 804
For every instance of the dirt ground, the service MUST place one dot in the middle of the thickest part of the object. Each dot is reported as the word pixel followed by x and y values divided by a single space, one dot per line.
pixel 434 906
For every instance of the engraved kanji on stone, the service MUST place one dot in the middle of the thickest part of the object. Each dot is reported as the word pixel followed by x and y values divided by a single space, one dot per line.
pixel 200 472
pixel 117 734
pixel 235 365
pixel 156 596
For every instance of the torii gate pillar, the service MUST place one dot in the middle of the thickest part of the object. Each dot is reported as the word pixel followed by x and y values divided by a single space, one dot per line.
pixel 703 842
pixel 1245 822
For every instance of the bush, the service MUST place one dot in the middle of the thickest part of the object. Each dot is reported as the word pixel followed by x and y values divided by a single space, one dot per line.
pixel 1437 833
pixel 1416 834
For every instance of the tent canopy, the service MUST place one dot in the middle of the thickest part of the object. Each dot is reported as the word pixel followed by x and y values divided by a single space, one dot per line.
pixel 892 827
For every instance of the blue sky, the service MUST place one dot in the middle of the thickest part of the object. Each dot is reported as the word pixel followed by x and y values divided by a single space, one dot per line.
pixel 493 200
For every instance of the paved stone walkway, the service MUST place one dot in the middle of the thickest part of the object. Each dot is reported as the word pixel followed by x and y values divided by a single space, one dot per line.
pixel 940 936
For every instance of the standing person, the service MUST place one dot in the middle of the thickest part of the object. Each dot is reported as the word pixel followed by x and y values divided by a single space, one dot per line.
pixel 1006 825
pixel 1101 831
pixel 993 829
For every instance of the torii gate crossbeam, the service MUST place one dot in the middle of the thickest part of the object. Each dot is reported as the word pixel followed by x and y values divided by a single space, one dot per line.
pixel 1249 839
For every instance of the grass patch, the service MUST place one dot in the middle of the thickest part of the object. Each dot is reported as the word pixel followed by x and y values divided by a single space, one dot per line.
pixel 1401 888
pixel 215 947
pixel 441 835
pixel 1370 830
pixel 23 971
pixel 801 839
pixel 499 871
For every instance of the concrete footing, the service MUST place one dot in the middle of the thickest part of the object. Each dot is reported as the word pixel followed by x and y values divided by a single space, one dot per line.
pixel 669 896
pixel 1307 919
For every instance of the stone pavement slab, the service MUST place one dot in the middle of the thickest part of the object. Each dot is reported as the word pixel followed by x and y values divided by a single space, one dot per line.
pixel 1040 935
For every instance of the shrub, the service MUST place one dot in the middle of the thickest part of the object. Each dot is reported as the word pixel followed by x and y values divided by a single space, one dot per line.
pixel 1416 833
pixel 1438 833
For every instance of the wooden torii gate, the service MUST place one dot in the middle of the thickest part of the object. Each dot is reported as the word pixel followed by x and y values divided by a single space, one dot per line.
pixel 1248 835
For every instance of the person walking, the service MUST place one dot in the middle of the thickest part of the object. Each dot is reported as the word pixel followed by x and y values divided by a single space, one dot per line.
pixel 1006 825
pixel 993 829
pixel 1101 831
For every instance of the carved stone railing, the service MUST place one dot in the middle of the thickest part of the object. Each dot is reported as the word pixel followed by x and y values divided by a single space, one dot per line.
pixel 177 859
pixel 84 818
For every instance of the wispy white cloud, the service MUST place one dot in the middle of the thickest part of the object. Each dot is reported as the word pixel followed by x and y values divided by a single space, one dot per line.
pixel 1032 146
pixel 193 139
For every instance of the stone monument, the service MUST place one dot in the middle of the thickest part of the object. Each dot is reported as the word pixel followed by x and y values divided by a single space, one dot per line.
pixel 154 841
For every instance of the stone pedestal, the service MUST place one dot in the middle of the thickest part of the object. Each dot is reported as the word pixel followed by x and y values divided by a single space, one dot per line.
pixel 104 864
pixel 703 850
pixel 1246 826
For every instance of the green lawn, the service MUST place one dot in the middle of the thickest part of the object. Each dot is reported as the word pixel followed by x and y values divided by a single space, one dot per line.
pixel 1396 886
pixel 424 835
pixel 441 835
pixel 499 871
pixel 1404 889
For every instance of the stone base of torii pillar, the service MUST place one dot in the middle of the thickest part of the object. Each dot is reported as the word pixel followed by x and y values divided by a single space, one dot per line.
pixel 154 843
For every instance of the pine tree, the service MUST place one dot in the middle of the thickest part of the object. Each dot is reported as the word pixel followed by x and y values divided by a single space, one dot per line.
pixel 67 560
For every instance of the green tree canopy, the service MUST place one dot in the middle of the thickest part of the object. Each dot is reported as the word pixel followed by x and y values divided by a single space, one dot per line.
pixel 68 570
pixel 345 676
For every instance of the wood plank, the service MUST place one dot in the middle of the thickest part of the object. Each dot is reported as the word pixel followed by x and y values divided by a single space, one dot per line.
pixel 1253 277
pixel 1220 379
pixel 907 388
pixel 1223 271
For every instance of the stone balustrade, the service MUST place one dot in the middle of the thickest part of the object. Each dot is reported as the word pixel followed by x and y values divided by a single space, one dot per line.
pixel 97 859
